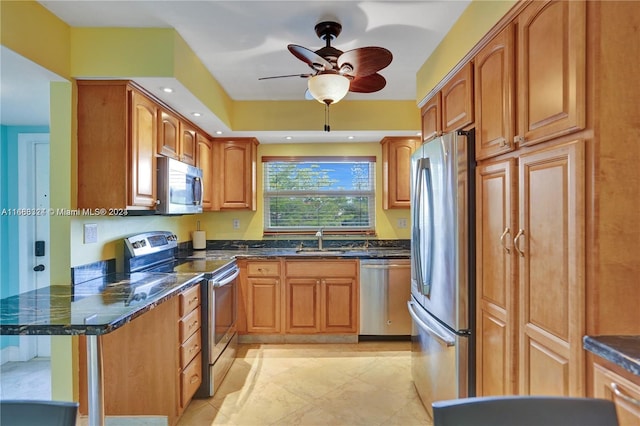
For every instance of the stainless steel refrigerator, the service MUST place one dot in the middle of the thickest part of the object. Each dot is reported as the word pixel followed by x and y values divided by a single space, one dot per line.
pixel 442 268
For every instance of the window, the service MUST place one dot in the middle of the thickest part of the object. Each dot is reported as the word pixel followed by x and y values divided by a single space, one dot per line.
pixel 307 193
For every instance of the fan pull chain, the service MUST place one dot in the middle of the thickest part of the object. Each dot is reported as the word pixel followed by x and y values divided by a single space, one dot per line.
pixel 327 128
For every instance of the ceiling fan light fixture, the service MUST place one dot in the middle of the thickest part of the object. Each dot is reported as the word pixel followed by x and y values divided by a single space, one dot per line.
pixel 328 88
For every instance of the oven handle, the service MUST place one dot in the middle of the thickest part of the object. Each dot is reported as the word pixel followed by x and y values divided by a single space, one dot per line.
pixel 226 280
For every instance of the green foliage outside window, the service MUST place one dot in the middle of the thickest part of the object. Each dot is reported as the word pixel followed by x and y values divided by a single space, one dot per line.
pixel 302 195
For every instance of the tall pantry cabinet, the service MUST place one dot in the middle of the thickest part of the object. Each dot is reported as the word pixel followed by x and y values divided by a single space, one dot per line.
pixel 551 98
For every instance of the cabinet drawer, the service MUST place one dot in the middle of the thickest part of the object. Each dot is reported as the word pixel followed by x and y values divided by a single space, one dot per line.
pixel 322 268
pixel 189 300
pixel 189 324
pixel 190 348
pixel 191 377
pixel 263 269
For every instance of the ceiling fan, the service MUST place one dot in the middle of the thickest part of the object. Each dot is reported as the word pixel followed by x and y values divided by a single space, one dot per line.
pixel 334 72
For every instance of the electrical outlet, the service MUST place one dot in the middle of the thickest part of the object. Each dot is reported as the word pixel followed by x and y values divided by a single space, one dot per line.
pixel 402 223
pixel 90 233
pixel 236 223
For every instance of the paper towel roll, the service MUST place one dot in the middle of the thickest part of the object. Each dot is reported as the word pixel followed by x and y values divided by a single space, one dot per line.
pixel 199 240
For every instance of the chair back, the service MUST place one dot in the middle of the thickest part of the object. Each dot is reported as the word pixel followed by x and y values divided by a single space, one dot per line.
pixel 38 413
pixel 525 411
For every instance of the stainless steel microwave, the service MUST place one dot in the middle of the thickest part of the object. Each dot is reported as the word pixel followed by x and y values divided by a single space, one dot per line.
pixel 179 187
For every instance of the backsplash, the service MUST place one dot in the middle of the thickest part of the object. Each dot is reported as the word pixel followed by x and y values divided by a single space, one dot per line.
pixel 293 243
pixel 83 273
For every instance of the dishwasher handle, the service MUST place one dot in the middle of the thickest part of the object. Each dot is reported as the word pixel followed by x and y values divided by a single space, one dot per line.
pixel 224 280
pixel 385 266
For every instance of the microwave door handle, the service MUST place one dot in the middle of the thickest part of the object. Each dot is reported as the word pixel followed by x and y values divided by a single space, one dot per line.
pixel 197 192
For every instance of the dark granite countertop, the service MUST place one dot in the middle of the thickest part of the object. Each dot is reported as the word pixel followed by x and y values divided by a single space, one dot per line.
pixel 306 253
pixel 94 307
pixel 623 351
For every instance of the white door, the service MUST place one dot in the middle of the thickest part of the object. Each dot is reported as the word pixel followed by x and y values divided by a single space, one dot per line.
pixel 33 177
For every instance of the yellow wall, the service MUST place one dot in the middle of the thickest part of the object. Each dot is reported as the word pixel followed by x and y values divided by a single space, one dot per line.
pixel 476 20
pixel 219 224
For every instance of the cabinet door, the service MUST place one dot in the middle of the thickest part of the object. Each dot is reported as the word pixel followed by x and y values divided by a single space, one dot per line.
pixel 144 125
pixel 204 160
pixel 551 70
pixel 263 305
pixel 187 143
pixel 236 186
pixel 495 285
pixel 169 135
pixel 628 410
pixel 339 305
pixel 457 100
pixel 302 305
pixel 550 247
pixel 396 171
pixel 432 117
pixel 494 84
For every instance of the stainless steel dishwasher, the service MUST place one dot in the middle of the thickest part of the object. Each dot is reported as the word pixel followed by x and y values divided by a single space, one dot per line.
pixel 385 287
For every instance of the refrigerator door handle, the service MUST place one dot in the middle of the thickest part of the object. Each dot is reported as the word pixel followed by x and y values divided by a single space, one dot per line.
pixel 424 326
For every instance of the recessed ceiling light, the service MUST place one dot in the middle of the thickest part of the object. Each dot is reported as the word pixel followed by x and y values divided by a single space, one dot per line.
pixel 167 89
pixel 218 132
pixel 196 114
pixel 288 137
pixel 351 137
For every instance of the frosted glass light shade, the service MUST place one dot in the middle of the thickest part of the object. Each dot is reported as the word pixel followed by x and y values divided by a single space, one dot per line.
pixel 328 88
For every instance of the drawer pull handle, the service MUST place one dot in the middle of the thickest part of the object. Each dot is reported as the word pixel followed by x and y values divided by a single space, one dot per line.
pixel 194 299
pixel 194 379
pixel 619 393
pixel 193 324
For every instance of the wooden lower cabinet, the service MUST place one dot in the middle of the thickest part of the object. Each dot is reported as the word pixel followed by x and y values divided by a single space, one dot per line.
pixel 551 281
pixel 290 296
pixel 321 296
pixel 496 320
pixel 263 296
pixel 153 365
pixel 530 279
pixel 621 387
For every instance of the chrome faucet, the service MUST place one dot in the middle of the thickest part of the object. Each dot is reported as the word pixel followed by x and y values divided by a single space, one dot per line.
pixel 319 235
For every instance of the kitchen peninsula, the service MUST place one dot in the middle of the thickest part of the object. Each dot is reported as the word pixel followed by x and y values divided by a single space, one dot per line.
pixel 93 308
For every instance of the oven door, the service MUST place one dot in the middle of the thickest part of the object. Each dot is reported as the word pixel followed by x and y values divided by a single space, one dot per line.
pixel 223 311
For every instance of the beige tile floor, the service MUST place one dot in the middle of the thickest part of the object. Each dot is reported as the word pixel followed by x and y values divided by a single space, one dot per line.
pixel 366 383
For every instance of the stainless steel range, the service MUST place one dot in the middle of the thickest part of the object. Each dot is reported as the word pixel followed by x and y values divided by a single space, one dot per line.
pixel 156 252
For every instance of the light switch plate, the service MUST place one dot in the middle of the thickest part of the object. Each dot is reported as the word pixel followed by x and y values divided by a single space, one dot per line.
pixel 402 223
pixel 236 223
pixel 90 233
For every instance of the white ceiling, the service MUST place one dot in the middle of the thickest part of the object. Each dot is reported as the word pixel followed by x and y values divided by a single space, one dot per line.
pixel 240 41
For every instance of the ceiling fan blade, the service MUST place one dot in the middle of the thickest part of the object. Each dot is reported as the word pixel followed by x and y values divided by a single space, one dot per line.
pixel 288 75
pixel 310 57
pixel 365 60
pixel 368 83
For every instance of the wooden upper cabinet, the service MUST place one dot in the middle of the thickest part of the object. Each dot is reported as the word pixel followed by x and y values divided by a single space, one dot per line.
pixel 431 113
pixel 551 70
pixel 169 135
pixel 396 171
pixel 494 95
pixel 457 100
pixel 143 148
pixel 176 138
pixel 187 143
pixel 204 160
pixel 235 168
pixel 117 131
